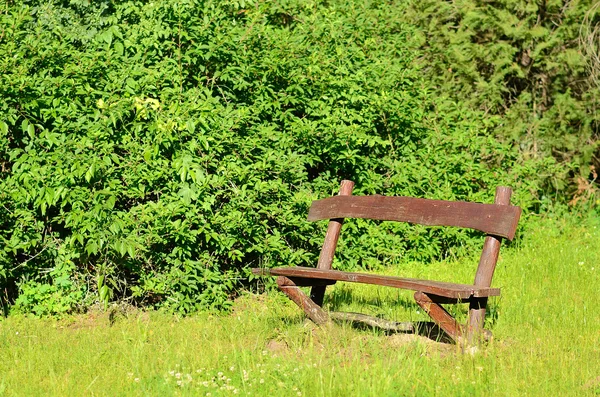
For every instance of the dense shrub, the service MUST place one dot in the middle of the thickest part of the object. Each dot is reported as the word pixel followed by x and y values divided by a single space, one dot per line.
pixel 521 63
pixel 154 151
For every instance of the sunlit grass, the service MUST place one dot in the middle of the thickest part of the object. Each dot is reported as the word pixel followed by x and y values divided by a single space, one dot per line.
pixel 546 327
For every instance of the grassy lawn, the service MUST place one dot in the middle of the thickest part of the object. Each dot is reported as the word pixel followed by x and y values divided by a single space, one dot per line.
pixel 546 327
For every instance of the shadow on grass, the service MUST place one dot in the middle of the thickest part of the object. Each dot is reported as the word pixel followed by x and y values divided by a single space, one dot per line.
pixel 426 329
pixel 341 297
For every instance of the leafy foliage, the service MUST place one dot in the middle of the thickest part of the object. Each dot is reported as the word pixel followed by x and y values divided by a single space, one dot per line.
pixel 522 64
pixel 153 151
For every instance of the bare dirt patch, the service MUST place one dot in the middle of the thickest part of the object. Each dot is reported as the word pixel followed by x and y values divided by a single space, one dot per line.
pixel 592 384
pixel 431 346
pixel 277 347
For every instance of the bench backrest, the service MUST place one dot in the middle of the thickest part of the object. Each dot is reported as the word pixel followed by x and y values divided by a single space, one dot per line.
pixel 498 220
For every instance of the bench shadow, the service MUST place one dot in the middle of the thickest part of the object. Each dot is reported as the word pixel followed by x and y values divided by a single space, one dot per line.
pixel 342 296
pixel 339 297
pixel 427 329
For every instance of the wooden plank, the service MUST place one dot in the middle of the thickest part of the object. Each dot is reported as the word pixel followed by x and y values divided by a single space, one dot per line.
pixel 449 290
pixel 334 228
pixel 312 310
pixel 439 315
pixel 498 220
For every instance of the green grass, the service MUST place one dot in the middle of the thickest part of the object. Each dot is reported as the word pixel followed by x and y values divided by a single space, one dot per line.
pixel 546 327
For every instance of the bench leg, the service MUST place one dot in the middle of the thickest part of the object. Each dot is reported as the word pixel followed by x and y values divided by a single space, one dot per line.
pixel 312 310
pixel 439 315
pixel 317 294
pixel 475 331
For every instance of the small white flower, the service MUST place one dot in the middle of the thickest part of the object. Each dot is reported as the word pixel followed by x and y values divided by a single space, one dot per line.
pixel 262 380
pixel 137 379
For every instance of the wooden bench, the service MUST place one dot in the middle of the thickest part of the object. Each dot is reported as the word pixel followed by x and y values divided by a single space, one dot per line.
pixel 498 220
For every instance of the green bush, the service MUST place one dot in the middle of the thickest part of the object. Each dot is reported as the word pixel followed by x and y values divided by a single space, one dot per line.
pixel 521 63
pixel 154 151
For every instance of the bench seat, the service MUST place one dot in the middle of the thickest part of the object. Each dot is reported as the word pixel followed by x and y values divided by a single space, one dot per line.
pixel 448 290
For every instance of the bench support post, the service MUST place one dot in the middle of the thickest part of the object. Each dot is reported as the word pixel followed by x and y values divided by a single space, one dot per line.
pixel 334 228
pixel 439 315
pixel 485 272
pixel 312 310
pixel 475 322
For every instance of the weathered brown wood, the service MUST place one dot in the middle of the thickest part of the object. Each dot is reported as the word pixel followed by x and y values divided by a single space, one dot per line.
pixel 475 321
pixel 376 322
pixel 334 228
pixel 312 310
pixel 439 315
pixel 440 288
pixel 498 220
pixel 491 246
pixel 485 272
pixel 298 281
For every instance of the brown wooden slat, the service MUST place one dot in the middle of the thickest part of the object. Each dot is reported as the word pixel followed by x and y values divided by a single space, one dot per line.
pixel 498 220
pixel 449 290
